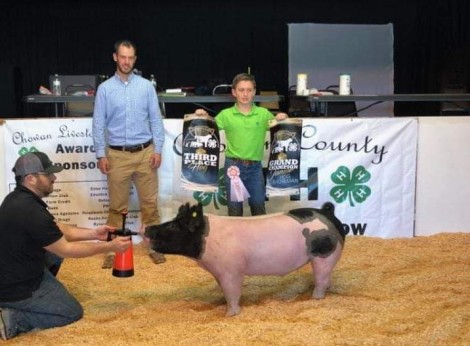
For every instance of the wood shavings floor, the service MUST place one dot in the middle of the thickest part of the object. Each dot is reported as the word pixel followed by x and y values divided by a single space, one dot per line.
pixel 385 292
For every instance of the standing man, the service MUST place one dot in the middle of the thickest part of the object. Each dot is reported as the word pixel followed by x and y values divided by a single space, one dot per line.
pixel 32 245
pixel 245 125
pixel 128 136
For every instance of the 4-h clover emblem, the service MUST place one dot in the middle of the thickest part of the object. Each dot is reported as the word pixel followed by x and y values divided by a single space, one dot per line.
pixel 25 150
pixel 350 186
pixel 219 197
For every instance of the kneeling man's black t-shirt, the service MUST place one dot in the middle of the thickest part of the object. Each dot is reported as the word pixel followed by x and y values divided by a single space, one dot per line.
pixel 26 227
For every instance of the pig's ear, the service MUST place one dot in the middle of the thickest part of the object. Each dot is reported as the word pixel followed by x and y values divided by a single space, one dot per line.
pixel 183 210
pixel 196 220
pixel 329 208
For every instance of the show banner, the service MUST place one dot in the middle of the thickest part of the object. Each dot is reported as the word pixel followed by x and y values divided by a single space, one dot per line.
pixel 283 178
pixel 200 153
pixel 80 195
pixel 365 166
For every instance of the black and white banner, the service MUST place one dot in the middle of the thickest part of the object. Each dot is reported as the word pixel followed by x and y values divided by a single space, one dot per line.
pixel 200 153
pixel 283 178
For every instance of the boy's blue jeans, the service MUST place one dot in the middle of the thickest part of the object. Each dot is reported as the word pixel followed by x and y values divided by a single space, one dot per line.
pixel 253 178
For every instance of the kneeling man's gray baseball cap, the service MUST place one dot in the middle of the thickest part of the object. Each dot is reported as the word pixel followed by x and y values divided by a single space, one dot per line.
pixel 35 162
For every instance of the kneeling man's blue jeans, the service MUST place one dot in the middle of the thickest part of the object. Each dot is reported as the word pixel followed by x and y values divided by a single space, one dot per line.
pixel 51 305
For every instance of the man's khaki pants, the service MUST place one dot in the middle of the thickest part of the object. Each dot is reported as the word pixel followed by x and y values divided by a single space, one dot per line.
pixel 125 168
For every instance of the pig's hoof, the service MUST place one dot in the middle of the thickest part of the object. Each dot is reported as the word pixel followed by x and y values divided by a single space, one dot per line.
pixel 318 294
pixel 108 261
pixel 157 257
pixel 232 311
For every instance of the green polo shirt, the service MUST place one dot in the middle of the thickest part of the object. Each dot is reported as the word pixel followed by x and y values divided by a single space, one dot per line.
pixel 244 134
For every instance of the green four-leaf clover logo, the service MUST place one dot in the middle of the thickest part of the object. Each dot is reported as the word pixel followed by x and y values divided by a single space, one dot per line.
pixel 350 186
pixel 219 197
pixel 25 150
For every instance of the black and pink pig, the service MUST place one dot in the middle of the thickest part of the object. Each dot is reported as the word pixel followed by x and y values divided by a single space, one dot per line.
pixel 275 244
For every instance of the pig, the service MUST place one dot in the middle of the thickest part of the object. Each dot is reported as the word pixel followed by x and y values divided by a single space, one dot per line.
pixel 274 244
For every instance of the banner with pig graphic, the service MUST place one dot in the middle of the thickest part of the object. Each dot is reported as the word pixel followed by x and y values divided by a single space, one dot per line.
pixel 200 153
pixel 283 178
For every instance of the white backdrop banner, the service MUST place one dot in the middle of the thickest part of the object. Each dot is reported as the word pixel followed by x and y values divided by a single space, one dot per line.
pixel 365 166
pixel 80 194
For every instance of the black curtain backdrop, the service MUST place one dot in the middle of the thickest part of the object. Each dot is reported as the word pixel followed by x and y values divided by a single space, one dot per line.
pixel 192 43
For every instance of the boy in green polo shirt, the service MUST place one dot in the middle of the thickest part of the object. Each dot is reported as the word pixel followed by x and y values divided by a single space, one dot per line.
pixel 245 125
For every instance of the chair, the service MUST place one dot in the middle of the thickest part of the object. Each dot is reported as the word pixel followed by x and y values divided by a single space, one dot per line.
pixel 222 89
pixel 298 105
pixel 456 107
pixel 338 109
pixel 79 109
pixel 76 84
pixel 273 105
